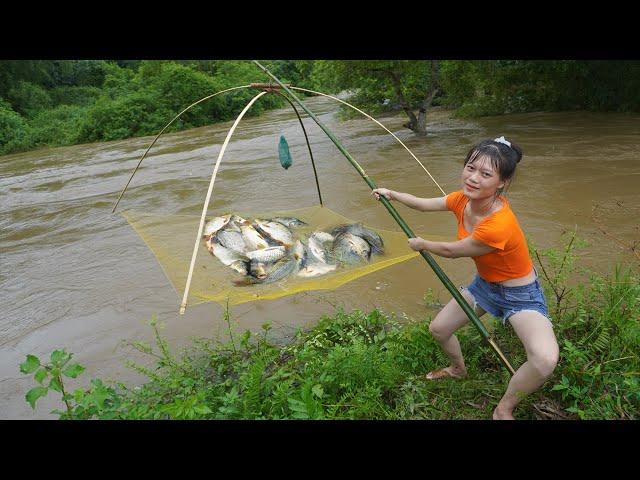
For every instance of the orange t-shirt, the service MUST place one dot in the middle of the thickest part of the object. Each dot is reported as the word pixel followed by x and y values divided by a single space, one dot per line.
pixel 500 230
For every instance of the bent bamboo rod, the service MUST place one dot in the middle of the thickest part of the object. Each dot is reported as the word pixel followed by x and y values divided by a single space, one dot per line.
pixel 304 130
pixel 376 121
pixel 162 131
pixel 183 305
pixel 432 263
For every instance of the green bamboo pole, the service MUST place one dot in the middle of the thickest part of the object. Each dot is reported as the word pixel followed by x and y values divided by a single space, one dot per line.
pixel 304 130
pixel 432 263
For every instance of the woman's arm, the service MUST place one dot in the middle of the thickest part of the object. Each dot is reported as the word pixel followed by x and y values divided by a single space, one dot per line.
pixel 467 247
pixel 422 204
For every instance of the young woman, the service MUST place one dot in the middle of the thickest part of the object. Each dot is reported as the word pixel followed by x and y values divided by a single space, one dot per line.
pixel 506 284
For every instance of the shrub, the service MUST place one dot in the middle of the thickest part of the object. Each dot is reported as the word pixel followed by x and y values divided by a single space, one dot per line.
pixel 72 95
pixel 58 126
pixel 14 131
pixel 132 115
pixel 28 98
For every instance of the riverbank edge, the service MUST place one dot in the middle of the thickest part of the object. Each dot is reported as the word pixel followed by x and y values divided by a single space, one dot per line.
pixel 368 365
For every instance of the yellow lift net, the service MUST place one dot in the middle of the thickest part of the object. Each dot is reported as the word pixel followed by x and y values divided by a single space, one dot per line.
pixel 170 238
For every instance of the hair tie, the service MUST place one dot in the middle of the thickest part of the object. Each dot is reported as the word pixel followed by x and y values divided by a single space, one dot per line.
pixel 502 140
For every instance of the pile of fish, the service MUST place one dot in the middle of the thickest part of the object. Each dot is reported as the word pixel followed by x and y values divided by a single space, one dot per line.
pixel 267 250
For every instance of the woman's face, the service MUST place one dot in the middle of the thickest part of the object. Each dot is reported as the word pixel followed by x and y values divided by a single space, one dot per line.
pixel 479 179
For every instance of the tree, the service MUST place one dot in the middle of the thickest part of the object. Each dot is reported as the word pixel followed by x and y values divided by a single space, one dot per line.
pixel 412 84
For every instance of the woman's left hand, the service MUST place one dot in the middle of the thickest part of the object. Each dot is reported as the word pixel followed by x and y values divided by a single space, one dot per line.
pixel 416 244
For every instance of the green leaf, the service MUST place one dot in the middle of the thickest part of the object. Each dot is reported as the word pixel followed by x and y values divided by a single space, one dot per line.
pixel 317 390
pixel 34 394
pixel 78 395
pixel 59 357
pixel 30 365
pixel 202 409
pixel 55 384
pixel 40 375
pixel 73 370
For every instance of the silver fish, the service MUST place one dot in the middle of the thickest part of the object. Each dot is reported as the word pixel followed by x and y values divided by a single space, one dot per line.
pixel 232 240
pixel 231 227
pixel 228 257
pixel 215 224
pixel 237 219
pixel 371 237
pixel 279 270
pixel 317 249
pixel 289 221
pixel 349 248
pixel 267 255
pixel 239 266
pixel 323 237
pixel 257 270
pixel 276 231
pixel 316 269
pixel 252 238
pixel 300 253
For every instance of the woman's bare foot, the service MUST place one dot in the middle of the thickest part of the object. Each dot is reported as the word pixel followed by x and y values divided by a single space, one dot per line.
pixel 501 414
pixel 447 372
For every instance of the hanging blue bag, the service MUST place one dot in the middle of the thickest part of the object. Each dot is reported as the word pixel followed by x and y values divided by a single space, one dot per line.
pixel 283 151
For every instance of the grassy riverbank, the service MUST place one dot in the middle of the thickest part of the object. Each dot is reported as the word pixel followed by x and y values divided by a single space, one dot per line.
pixel 367 365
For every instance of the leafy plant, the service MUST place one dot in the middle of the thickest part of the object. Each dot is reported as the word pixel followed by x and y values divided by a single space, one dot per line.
pixel 50 376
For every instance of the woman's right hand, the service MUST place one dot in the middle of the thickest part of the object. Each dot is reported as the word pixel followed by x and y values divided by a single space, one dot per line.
pixel 385 192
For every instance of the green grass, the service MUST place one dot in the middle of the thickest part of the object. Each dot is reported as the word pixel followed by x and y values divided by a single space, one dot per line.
pixel 368 365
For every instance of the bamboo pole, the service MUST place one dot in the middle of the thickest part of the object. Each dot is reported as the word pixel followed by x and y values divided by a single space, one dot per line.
pixel 313 163
pixel 183 305
pixel 429 259
pixel 376 121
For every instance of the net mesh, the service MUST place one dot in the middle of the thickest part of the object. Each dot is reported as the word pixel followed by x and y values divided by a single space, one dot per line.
pixel 171 239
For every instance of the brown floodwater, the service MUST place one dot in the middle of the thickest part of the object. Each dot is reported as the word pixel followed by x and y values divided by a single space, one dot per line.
pixel 76 276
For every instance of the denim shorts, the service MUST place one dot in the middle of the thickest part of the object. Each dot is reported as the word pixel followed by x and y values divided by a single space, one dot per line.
pixel 502 302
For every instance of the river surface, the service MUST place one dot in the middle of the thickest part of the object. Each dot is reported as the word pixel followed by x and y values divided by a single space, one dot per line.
pixel 75 276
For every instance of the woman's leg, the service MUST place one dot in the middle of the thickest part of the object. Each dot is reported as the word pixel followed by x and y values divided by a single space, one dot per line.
pixel 536 333
pixel 447 321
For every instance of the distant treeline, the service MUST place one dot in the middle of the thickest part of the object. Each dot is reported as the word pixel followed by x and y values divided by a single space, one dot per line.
pixel 53 103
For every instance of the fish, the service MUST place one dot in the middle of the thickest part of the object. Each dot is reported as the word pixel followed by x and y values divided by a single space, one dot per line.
pixel 349 248
pixel 230 227
pixel 234 223
pixel 317 249
pixel 316 269
pixel 267 255
pixel 215 224
pixel 289 222
pixel 231 239
pixel 279 270
pixel 276 231
pixel 323 237
pixel 257 269
pixel 228 257
pixel 237 219
pixel 300 253
pixel 371 237
pixel 270 241
pixel 252 238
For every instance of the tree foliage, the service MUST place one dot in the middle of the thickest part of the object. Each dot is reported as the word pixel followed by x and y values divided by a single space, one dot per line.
pixel 61 102
pixel 510 86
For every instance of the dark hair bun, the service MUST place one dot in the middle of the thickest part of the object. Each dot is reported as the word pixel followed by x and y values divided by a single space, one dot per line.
pixel 518 151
